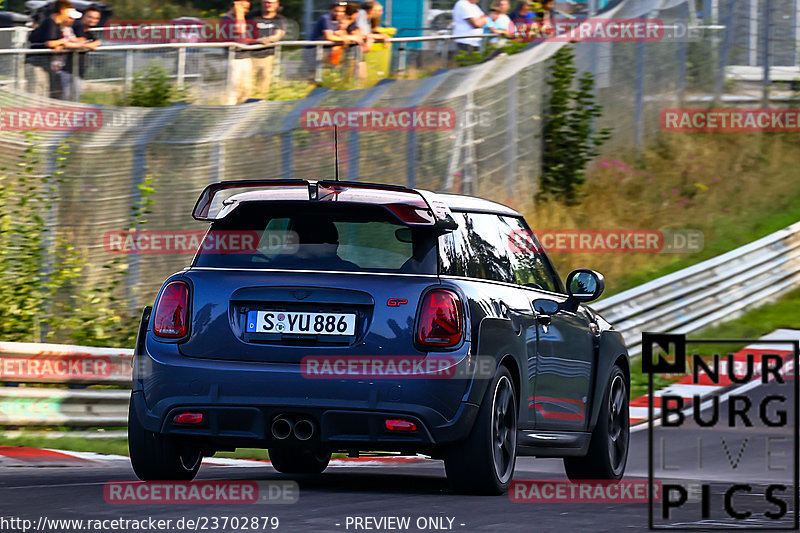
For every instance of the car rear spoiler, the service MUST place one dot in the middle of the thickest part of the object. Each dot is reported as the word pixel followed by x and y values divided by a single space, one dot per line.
pixel 410 206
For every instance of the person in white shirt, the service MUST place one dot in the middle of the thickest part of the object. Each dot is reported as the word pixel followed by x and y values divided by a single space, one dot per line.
pixel 468 19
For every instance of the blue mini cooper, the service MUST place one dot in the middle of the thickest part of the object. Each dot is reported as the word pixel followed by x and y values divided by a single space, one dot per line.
pixel 327 316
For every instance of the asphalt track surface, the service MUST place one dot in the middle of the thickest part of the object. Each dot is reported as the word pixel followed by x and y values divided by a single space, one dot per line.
pixel 420 490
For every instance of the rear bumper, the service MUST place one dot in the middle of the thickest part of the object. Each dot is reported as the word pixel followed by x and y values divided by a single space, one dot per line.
pixel 240 400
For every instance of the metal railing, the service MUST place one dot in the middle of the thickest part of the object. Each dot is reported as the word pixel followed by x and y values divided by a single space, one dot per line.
pixel 714 290
pixel 683 302
pixel 293 60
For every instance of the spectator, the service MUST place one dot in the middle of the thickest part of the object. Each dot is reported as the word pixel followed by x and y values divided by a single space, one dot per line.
pixel 544 15
pixel 71 84
pixel 349 26
pixel 268 26
pixel 354 32
pixel 327 27
pixel 369 22
pixel 54 33
pixel 235 19
pixel 332 27
pixel 523 18
pixel 242 67
pixel 468 19
pixel 498 22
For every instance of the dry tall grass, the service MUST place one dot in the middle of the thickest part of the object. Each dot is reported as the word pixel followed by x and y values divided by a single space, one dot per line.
pixel 732 187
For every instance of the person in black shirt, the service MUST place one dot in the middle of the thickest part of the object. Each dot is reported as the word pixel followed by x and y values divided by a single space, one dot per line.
pixel 54 33
pixel 252 69
pixel 268 26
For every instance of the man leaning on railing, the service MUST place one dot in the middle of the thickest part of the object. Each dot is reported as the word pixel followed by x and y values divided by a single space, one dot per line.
pixel 468 19
pixel 71 82
pixel 54 33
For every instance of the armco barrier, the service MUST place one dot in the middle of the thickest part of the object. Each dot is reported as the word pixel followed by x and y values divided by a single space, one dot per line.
pixel 22 362
pixel 682 302
pixel 711 291
pixel 41 406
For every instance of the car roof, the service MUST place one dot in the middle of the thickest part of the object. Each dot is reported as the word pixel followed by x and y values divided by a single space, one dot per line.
pixel 460 202
pixel 456 202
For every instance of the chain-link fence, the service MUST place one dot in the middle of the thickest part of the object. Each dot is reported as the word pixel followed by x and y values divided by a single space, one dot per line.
pixel 494 152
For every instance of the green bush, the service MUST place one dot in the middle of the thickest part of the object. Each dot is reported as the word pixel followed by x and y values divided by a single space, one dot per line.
pixel 154 88
pixel 43 293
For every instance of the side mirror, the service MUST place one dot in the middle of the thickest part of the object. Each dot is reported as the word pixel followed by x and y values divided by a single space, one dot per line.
pixel 583 285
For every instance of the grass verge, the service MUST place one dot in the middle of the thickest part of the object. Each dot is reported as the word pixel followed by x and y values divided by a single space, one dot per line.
pixel 113 446
pixel 734 188
pixel 781 313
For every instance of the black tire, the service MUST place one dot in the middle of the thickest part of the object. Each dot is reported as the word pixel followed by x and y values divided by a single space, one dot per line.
pixel 156 457
pixel 608 449
pixel 297 461
pixel 484 462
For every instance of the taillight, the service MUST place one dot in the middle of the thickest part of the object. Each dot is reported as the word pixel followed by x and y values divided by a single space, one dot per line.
pixel 172 311
pixel 399 424
pixel 441 321
pixel 188 418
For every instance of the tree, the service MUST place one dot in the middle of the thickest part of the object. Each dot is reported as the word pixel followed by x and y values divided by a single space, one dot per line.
pixel 570 139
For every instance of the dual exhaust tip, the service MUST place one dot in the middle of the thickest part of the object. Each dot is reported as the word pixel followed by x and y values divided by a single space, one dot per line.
pixel 283 428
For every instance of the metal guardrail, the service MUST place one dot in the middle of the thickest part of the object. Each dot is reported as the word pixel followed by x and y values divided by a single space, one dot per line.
pixel 40 406
pixel 718 289
pixel 682 302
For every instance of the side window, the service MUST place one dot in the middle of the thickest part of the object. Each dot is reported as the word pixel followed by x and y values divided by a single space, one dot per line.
pixel 476 249
pixel 452 255
pixel 530 265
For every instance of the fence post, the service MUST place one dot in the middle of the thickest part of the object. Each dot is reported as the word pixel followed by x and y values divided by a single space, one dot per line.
pixel 511 135
pixel 141 141
pixel 402 58
pixel 229 88
pixel 128 71
pixel 752 34
pixel 723 53
pixel 447 46
pixel 51 216
pixel 683 57
pixel 416 98
pixel 765 81
pixel 75 59
pixel 181 67
pixel 277 69
pixel 354 147
pixel 20 71
pixel 638 112
pixel 319 55
pixel 288 127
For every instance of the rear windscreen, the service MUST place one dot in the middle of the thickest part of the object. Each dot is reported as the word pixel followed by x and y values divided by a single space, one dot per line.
pixel 299 236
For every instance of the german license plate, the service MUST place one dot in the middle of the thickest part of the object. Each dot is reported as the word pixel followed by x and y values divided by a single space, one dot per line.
pixel 297 323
